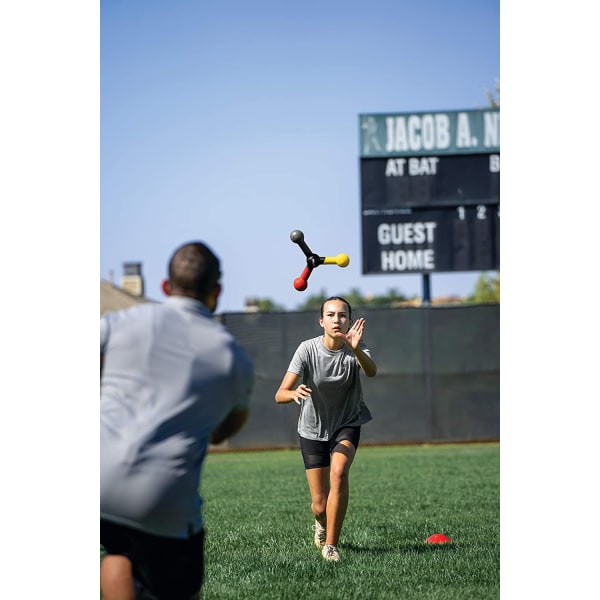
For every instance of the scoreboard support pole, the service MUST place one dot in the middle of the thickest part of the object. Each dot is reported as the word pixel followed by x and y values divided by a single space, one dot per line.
pixel 426 289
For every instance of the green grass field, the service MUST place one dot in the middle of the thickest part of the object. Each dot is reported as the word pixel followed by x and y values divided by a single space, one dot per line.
pixel 259 538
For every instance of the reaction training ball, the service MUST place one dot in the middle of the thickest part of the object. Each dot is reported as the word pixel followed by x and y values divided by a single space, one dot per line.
pixel 313 260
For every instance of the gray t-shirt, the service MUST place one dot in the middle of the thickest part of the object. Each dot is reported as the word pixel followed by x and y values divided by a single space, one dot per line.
pixel 334 377
pixel 171 374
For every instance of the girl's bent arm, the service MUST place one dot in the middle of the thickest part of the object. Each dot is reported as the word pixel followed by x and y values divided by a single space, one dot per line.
pixel 367 364
pixel 286 392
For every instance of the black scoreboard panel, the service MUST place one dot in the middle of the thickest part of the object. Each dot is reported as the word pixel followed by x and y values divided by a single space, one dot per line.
pixel 459 238
pixel 426 181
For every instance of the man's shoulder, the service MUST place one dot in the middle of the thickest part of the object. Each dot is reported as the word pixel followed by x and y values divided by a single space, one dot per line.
pixel 131 312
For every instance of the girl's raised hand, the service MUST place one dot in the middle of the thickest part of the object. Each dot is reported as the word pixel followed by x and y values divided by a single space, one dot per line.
pixel 355 334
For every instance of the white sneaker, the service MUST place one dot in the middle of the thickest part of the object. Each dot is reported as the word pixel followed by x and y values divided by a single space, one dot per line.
pixel 320 534
pixel 330 552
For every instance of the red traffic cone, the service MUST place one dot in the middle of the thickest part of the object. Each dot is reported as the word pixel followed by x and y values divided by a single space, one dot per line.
pixel 438 538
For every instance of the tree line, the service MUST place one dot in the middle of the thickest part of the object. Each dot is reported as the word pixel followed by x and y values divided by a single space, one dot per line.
pixel 487 290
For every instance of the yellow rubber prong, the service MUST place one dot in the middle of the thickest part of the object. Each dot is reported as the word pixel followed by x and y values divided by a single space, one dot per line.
pixel 341 260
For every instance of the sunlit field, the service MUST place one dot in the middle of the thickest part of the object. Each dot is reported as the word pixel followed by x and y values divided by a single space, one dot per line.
pixel 259 538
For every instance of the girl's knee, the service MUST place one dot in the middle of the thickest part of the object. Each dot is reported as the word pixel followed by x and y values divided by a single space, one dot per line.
pixel 319 505
pixel 339 474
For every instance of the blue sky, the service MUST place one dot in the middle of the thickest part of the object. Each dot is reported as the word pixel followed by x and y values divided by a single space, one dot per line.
pixel 236 123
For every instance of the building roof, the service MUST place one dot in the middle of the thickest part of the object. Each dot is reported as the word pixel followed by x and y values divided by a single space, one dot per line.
pixel 114 298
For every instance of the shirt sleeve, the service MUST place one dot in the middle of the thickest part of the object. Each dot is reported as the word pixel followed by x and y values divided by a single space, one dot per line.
pixel 299 360
pixel 104 332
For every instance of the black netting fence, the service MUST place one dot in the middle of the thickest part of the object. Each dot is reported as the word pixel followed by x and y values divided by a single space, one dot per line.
pixel 438 376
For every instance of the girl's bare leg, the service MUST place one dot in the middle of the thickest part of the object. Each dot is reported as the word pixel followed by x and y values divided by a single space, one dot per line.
pixel 337 502
pixel 318 484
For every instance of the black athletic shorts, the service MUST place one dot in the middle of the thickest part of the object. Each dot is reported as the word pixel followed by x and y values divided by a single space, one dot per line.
pixel 317 454
pixel 164 568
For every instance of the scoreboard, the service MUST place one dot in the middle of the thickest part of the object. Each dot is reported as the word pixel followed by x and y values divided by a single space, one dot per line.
pixel 430 191
pixel 430 181
pixel 463 238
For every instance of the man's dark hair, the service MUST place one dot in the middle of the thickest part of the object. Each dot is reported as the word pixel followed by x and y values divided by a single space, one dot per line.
pixel 337 298
pixel 194 270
